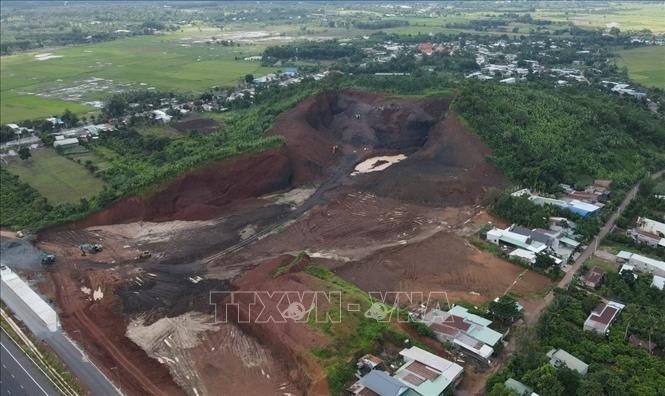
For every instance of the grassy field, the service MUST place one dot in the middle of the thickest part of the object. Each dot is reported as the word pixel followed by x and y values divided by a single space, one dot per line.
pixel 55 177
pixel 629 16
pixel 604 264
pixel 645 65
pixel 175 62
pixel 15 107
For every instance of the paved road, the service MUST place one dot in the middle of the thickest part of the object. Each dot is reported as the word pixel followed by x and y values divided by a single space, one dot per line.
pixel 19 375
pixel 75 359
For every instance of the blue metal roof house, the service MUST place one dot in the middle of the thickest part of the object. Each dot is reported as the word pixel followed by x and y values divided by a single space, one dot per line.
pixel 383 384
pixel 582 208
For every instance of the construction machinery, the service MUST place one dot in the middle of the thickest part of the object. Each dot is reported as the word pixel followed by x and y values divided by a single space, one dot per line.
pixel 143 255
pixel 90 248
pixel 48 259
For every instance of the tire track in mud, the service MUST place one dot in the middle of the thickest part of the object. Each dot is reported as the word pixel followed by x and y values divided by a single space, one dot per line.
pixel 116 354
pixel 79 314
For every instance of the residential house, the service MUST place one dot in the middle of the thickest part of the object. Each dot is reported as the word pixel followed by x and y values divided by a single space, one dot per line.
pixel 481 331
pixel 601 318
pixel 55 121
pixel 507 237
pixel 628 267
pixel 370 361
pixel 426 373
pixel 464 329
pixel 593 277
pixel 561 358
pixel 65 143
pixel 160 115
pixel 479 76
pixel 651 231
pixel 520 388
pixel 583 209
pixel 378 383
pixel 652 226
pixel 642 263
pixel 547 237
pixel 658 282
pixel 648 238
pixel 523 254
pixel 565 226
pixel 265 79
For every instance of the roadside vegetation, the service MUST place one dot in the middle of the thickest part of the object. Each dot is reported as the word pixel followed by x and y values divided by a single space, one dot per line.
pixel 44 359
pixel 646 204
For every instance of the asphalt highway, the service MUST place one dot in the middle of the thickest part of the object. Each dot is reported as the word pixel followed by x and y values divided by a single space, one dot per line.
pixel 19 375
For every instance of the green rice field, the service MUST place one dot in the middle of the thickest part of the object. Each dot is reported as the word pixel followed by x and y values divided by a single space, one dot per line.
pixel 645 65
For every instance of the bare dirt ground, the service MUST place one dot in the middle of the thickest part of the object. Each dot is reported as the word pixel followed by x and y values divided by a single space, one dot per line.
pixel 228 227
pixel 199 124
pixel 443 262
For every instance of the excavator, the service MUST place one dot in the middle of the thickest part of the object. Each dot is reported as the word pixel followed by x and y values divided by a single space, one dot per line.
pixel 90 248
pixel 48 259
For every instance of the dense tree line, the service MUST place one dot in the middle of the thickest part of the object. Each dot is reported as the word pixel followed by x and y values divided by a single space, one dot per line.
pixel 380 24
pixel 315 50
pixel 541 136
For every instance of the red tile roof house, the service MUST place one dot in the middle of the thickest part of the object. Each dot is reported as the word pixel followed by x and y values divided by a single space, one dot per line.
pixel 601 318
pixel 593 277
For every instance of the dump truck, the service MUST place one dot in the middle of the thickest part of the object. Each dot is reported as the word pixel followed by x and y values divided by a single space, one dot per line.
pixel 90 248
pixel 48 258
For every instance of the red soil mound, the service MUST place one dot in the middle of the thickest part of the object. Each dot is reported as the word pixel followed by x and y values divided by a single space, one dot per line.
pixel 290 341
pixel 321 133
pixel 323 128
pixel 100 328
pixel 450 169
pixel 203 194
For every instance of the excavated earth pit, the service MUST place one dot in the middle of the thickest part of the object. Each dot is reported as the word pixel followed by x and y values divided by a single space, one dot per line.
pixel 228 225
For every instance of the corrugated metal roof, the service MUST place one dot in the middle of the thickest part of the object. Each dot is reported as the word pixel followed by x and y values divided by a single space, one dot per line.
pixel 569 360
pixel 383 384
pixel 44 311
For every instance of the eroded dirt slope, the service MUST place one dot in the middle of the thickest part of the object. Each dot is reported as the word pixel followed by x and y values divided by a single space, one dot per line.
pixel 231 224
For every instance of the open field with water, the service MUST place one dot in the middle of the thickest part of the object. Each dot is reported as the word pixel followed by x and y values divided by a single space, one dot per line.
pixel 72 75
